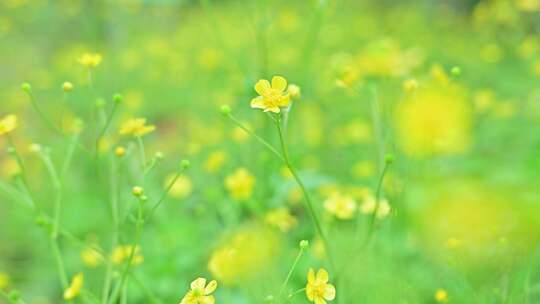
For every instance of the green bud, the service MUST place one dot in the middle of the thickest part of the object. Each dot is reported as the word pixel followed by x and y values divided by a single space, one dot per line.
pixel 389 158
pixel 184 164
pixel 26 87
pixel 456 71
pixel 225 110
pixel 304 244
pixel 159 155
pixel 118 98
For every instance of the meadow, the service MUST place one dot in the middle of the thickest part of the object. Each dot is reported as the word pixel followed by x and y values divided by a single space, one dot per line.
pixel 269 151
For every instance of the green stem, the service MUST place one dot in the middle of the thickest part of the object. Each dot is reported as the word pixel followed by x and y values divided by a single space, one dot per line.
pixel 140 143
pixel 138 232
pixel 44 117
pixel 307 197
pixel 149 294
pixel 257 137
pixel 108 122
pixel 293 267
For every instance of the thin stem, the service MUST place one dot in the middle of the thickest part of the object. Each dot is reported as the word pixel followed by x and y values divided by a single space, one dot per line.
pixel 293 267
pixel 44 117
pixel 108 122
pixel 307 197
pixel 69 155
pixel 140 143
pixel 20 162
pixel 258 138
pixel 115 219
pixel 164 194
pixel 149 294
pixel 138 233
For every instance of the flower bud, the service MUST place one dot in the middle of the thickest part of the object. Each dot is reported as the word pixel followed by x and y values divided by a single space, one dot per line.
pixel 120 151
pixel 184 164
pixel 67 86
pixel 137 191
pixel 225 110
pixel 456 71
pixel 410 85
pixel 159 155
pixel 26 87
pixel 304 244
pixel 118 98
pixel 389 158
pixel 294 91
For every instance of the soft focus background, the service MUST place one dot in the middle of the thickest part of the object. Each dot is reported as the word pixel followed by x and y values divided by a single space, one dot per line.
pixel 450 88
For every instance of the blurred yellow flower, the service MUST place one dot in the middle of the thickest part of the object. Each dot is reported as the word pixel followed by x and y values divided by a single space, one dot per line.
pixel 318 290
pixel 272 96
pixel 136 127
pixel 245 256
pixel 91 257
pixel 240 184
pixel 181 188
pixel 437 120
pixel 215 161
pixel 90 60
pixel 369 205
pixel 200 293
pixel 341 206
pixel 4 280
pixel 75 287
pixel 441 296
pixel 7 124
pixel 453 243
pixel 281 218
pixel 122 254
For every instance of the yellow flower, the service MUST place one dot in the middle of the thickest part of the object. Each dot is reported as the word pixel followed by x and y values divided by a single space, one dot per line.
pixel 200 293
pixel 369 205
pixel 436 120
pixel 240 184
pixel 90 60
pixel 4 280
pixel 67 86
pixel 281 218
pixel 181 188
pixel 342 206
pixel 91 257
pixel 75 287
pixel 318 290
pixel 7 124
pixel 136 127
pixel 272 96
pixel 122 253
pixel 215 161
pixel 441 296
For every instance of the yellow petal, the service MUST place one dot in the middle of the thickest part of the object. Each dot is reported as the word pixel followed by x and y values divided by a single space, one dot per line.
pixel 273 110
pixel 207 300
pixel 198 284
pixel 210 287
pixel 309 293
pixel 320 301
pixel 279 83
pixel 311 275
pixel 329 292
pixel 285 100
pixel 322 275
pixel 257 102
pixel 262 86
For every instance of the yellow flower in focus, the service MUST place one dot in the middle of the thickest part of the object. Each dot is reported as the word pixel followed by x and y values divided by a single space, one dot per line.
pixel 122 254
pixel 281 218
pixel 245 256
pixel 369 205
pixel 4 280
pixel 136 127
pixel 341 206
pixel 90 60
pixel 435 121
pixel 75 287
pixel 181 188
pixel 240 184
pixel 272 96
pixel 441 296
pixel 318 290
pixel 91 258
pixel 200 293
pixel 215 161
pixel 7 124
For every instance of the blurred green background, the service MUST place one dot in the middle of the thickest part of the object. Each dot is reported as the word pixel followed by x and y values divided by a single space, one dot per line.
pixel 450 88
